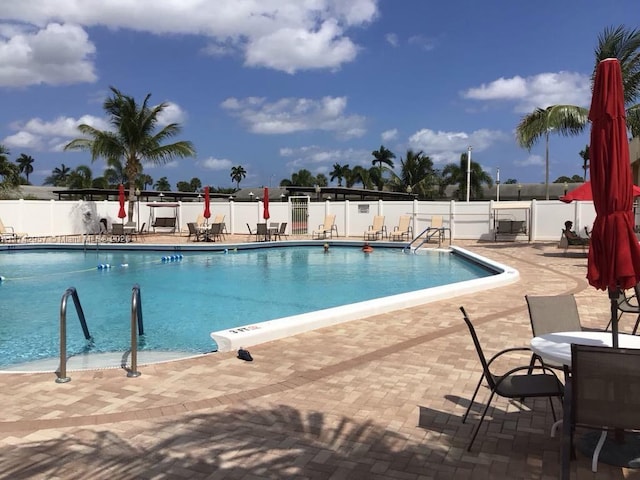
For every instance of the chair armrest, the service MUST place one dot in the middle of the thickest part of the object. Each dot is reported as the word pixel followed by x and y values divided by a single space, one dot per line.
pixel 508 350
pixel 9 229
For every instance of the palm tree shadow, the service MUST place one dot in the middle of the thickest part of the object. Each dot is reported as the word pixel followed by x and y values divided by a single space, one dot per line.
pixel 267 443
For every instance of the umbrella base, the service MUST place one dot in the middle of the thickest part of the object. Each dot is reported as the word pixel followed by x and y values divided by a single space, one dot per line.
pixel 626 454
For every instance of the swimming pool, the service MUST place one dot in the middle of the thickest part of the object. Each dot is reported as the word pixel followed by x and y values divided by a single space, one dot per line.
pixel 186 297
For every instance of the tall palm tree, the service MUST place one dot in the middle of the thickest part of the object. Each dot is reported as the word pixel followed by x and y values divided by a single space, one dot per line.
pixel 564 119
pixel 59 176
pixel 80 177
pixel 624 44
pixel 237 174
pixel 339 172
pixel 135 138
pixel 25 163
pixel 584 154
pixel 115 173
pixel 417 175
pixel 453 174
pixel 382 155
pixel 8 171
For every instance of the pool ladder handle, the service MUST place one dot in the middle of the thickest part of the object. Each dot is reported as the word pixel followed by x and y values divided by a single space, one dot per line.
pixel 426 235
pixel 69 292
pixel 136 320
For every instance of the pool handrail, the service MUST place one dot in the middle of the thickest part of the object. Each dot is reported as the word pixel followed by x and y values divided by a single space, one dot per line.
pixel 73 293
pixel 136 318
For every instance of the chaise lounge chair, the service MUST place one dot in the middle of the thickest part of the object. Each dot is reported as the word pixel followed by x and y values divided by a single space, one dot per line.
pixel 403 229
pixel 377 229
pixel 327 228
pixel 8 234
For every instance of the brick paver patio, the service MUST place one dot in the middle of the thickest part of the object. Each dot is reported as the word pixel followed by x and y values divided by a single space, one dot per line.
pixel 379 398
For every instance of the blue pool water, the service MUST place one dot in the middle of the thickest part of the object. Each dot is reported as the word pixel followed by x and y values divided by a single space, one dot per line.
pixel 184 300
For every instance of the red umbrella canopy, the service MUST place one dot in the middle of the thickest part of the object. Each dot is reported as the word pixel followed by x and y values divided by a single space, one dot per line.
pixel 614 253
pixel 265 201
pixel 207 204
pixel 122 213
pixel 584 193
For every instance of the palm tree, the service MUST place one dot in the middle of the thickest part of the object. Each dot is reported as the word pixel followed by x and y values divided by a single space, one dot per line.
pixel 162 185
pixel 80 177
pixel 115 173
pixel 9 171
pixel 624 45
pixel 383 155
pixel 59 176
pixel 237 174
pixel 585 160
pixel 453 174
pixel 133 139
pixel 417 175
pixel 25 163
pixel 339 172
pixel 564 119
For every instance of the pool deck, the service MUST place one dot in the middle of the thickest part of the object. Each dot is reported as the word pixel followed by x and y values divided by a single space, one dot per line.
pixel 378 398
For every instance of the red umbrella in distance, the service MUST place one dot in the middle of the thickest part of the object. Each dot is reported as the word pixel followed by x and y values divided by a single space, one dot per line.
pixel 614 252
pixel 265 202
pixel 207 204
pixel 121 213
pixel 584 193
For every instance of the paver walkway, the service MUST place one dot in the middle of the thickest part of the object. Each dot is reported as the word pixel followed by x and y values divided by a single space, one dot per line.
pixel 379 398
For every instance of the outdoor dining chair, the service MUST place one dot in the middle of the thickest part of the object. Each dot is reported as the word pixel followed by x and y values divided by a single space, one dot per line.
pixel 603 393
pixel 511 384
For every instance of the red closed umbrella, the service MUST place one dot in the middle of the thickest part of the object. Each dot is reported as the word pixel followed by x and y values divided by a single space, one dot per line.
pixel 121 213
pixel 614 252
pixel 265 203
pixel 584 193
pixel 207 204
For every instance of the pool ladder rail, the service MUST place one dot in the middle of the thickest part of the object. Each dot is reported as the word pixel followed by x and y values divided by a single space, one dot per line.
pixel 136 321
pixel 426 235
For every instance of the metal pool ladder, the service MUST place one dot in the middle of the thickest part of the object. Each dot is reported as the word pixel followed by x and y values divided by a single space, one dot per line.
pixel 69 292
pixel 136 318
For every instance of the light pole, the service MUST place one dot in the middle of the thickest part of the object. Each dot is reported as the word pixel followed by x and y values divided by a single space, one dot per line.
pixel 498 185
pixel 251 196
pixel 137 192
pixel 468 171
pixel 318 190
pixel 282 197
pixel 519 190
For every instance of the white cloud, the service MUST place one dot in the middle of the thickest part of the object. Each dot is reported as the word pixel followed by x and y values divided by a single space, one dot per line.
pixel 23 140
pixel 56 55
pixel 422 42
pixel 49 135
pixel 534 160
pixel 319 160
pixel 216 163
pixel 280 34
pixel 389 135
pixel 392 39
pixel 289 115
pixel 171 114
pixel 446 147
pixel 538 91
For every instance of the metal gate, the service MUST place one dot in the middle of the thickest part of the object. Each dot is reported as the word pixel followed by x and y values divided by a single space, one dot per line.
pixel 299 215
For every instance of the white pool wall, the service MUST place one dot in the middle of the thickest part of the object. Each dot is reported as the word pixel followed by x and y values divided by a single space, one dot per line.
pixel 257 333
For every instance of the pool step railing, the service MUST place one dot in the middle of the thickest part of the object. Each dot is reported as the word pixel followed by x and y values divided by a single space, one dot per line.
pixel 69 292
pixel 425 236
pixel 136 321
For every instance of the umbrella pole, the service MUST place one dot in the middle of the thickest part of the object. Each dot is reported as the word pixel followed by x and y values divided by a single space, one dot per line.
pixel 613 296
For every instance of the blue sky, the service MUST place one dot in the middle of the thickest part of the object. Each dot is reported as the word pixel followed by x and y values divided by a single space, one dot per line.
pixel 280 85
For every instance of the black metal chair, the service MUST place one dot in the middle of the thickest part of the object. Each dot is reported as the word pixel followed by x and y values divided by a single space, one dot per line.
pixel 511 384
pixel 603 393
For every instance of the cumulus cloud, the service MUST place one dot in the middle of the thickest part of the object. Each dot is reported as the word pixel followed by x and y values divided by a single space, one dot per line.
pixel 319 159
pixel 279 34
pixel 389 135
pixel 289 115
pixel 422 42
pixel 171 114
pixel 542 90
pixel 392 39
pixel 216 163
pixel 531 160
pixel 55 55
pixel 446 147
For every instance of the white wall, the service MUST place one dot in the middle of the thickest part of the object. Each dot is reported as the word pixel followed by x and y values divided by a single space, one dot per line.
pixel 473 220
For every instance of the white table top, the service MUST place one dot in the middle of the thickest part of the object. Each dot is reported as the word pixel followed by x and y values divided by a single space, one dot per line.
pixel 556 347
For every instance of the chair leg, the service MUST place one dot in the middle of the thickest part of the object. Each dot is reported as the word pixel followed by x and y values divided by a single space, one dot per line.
pixel 464 418
pixel 635 328
pixel 477 429
pixel 596 452
pixel 553 410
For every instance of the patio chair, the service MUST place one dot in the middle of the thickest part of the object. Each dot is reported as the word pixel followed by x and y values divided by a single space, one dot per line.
pixel 262 232
pixel 326 228
pixel 8 233
pixel 282 231
pixel 511 384
pixel 437 229
pixel 629 302
pixel 403 229
pixel 117 233
pixel 603 393
pixel 251 231
pixel 194 231
pixel 214 232
pixel 550 314
pixel 377 229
